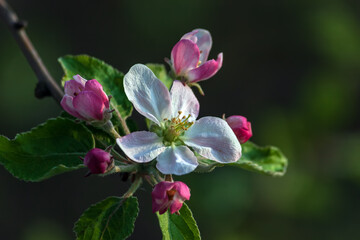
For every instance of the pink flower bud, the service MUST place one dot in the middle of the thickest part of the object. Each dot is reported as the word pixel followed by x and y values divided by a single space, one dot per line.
pixel 86 100
pixel 241 127
pixel 98 160
pixel 189 57
pixel 169 195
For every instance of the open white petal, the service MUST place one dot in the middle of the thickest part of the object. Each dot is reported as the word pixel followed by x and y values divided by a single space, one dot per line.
pixel 178 160
pixel 212 138
pixel 141 146
pixel 184 100
pixel 148 94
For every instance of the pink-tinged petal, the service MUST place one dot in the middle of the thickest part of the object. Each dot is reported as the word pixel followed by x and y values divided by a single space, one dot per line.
pixel 73 88
pixel 141 146
pixel 160 189
pixel 159 204
pixel 241 127
pixel 178 160
pixel 184 100
pixel 236 121
pixel 94 86
pixel 164 208
pixel 184 56
pixel 67 104
pixel 203 40
pixel 182 190
pixel 89 106
pixel 191 36
pixel 212 138
pixel 219 60
pixel 175 206
pixel 148 94
pixel 160 200
pixel 171 195
pixel 206 70
pixel 80 79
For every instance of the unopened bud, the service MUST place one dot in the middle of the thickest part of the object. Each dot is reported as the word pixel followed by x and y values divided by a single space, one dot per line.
pixel 241 127
pixel 86 100
pixel 169 195
pixel 98 161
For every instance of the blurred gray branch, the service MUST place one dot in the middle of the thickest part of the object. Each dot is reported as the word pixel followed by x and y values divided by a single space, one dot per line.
pixel 46 85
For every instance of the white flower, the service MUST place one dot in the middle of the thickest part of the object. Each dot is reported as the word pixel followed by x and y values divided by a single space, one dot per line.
pixel 175 129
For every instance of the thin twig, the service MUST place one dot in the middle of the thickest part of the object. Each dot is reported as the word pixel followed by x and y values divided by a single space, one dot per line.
pixel 46 85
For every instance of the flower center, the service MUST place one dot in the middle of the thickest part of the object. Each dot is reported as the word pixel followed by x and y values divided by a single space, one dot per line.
pixel 171 194
pixel 175 127
pixel 77 92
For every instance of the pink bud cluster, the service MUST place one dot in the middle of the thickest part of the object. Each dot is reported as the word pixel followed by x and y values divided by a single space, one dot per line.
pixel 210 137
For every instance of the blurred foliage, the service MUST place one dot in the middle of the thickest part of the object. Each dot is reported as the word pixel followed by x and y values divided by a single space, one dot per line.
pixel 291 67
pixel 44 229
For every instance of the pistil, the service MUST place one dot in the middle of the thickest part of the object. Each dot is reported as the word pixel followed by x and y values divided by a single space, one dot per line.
pixel 176 126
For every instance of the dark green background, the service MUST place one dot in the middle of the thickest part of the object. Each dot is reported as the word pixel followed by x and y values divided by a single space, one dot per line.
pixel 291 67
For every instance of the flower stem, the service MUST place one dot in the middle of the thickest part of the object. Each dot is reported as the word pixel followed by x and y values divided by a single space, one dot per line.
pixel 126 168
pixel 119 157
pixel 109 128
pixel 151 180
pixel 198 87
pixel 169 178
pixel 156 176
pixel 134 186
pixel 122 120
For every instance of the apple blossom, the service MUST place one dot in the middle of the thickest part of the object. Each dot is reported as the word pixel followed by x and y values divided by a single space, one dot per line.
pixel 98 161
pixel 86 100
pixel 241 127
pixel 189 57
pixel 174 128
pixel 169 195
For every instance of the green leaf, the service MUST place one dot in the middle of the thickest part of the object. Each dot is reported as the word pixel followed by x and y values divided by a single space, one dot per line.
pixel 110 219
pixel 102 138
pixel 160 72
pixel 47 150
pixel 266 160
pixel 110 78
pixel 177 227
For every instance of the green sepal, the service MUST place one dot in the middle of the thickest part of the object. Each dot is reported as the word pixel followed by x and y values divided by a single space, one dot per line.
pixel 179 227
pixel 110 219
pixel 49 149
